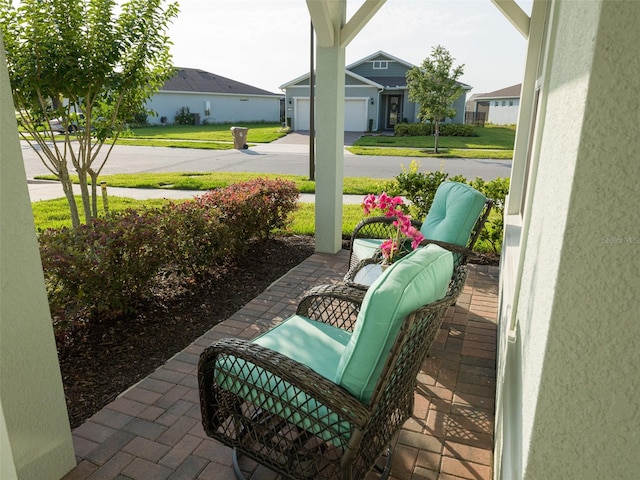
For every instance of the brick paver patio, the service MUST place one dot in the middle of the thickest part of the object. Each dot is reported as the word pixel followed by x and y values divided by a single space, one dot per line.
pixel 153 432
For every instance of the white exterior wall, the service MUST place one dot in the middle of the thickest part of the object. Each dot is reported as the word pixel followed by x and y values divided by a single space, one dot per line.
pixel 224 108
pixel 506 114
pixel 568 405
pixel 35 438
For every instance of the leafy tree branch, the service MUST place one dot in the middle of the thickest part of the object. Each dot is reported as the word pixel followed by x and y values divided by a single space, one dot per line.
pixel 87 69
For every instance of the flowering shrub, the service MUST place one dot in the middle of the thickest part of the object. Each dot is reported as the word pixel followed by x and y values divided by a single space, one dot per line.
pixel 405 231
pixel 103 268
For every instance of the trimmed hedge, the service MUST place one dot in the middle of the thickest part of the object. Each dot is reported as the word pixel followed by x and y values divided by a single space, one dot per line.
pixel 107 268
pixel 426 129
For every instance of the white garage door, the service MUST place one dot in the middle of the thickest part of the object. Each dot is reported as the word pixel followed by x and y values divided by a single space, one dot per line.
pixel 355 114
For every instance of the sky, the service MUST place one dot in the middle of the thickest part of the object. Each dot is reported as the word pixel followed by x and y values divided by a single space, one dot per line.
pixel 265 43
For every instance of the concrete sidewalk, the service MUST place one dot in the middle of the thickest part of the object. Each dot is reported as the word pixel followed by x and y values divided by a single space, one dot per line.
pixel 48 190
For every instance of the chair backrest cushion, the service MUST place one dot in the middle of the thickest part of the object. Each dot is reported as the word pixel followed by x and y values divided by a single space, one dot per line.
pixel 418 279
pixel 455 210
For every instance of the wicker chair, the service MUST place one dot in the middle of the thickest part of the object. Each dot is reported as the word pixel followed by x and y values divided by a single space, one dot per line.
pixel 301 419
pixel 455 220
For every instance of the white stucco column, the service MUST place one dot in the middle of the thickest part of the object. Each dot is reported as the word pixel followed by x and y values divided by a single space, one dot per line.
pixel 333 35
pixel 35 438
pixel 329 148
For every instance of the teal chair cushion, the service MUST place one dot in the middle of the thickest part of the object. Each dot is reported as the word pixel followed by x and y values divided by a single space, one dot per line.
pixel 317 345
pixel 455 210
pixel 366 247
pixel 314 344
pixel 418 279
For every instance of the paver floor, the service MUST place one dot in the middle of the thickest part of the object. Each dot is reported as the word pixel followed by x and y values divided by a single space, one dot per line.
pixel 153 431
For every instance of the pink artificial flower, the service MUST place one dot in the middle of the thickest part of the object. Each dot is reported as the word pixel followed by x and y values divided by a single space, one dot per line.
pixel 384 201
pixel 369 203
pixel 389 206
pixel 388 248
pixel 417 237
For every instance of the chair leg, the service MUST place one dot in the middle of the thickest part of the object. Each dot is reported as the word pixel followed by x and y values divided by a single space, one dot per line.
pixel 384 472
pixel 236 468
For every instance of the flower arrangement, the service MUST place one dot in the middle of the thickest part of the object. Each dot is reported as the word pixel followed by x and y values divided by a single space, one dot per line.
pixel 390 207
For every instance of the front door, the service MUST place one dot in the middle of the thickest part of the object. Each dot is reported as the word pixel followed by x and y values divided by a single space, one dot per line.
pixel 394 111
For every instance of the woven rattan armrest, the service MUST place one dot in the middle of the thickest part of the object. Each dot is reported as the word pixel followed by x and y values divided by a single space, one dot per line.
pixel 384 221
pixel 336 305
pixel 315 386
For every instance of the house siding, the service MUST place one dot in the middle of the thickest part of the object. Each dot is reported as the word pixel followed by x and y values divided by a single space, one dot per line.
pixel 223 108
pixel 567 404
pixel 395 69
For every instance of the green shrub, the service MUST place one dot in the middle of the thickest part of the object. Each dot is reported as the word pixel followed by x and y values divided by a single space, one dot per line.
pixel 102 269
pixel 426 129
pixel 419 188
pixel 184 117
pixel 197 237
pixel 413 129
pixel 497 190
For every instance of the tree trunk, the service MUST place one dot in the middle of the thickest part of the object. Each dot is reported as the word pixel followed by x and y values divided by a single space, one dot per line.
pixel 67 187
pixel 437 135
pixel 86 200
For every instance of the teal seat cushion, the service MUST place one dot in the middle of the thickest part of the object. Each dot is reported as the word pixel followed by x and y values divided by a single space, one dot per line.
pixel 366 247
pixel 418 279
pixel 315 344
pixel 455 210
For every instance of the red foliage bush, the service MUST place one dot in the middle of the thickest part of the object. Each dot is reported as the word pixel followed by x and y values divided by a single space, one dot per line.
pixel 106 268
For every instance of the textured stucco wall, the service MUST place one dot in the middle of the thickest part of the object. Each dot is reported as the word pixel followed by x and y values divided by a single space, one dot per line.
pixel 35 441
pixel 579 303
pixel 224 108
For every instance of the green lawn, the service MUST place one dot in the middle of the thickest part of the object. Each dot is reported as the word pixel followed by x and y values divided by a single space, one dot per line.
pixel 258 132
pixel 55 214
pixel 442 152
pixel 489 137
pixel 208 181
pixel 492 141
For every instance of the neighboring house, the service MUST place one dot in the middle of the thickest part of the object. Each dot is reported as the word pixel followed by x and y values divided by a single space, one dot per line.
pixel 213 99
pixel 500 107
pixel 376 96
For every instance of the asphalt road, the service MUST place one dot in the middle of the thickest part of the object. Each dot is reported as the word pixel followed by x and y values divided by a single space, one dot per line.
pixel 287 156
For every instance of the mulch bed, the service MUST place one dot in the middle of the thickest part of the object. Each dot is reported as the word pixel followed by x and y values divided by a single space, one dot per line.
pixel 100 362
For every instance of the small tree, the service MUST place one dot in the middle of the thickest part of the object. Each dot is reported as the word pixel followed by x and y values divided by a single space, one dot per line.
pixel 90 70
pixel 434 86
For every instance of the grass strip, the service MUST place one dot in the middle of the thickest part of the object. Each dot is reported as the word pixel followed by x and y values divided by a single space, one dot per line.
pixel 443 153
pixel 209 181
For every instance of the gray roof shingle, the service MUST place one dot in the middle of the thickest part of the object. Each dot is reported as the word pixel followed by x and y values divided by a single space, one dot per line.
pixel 196 80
